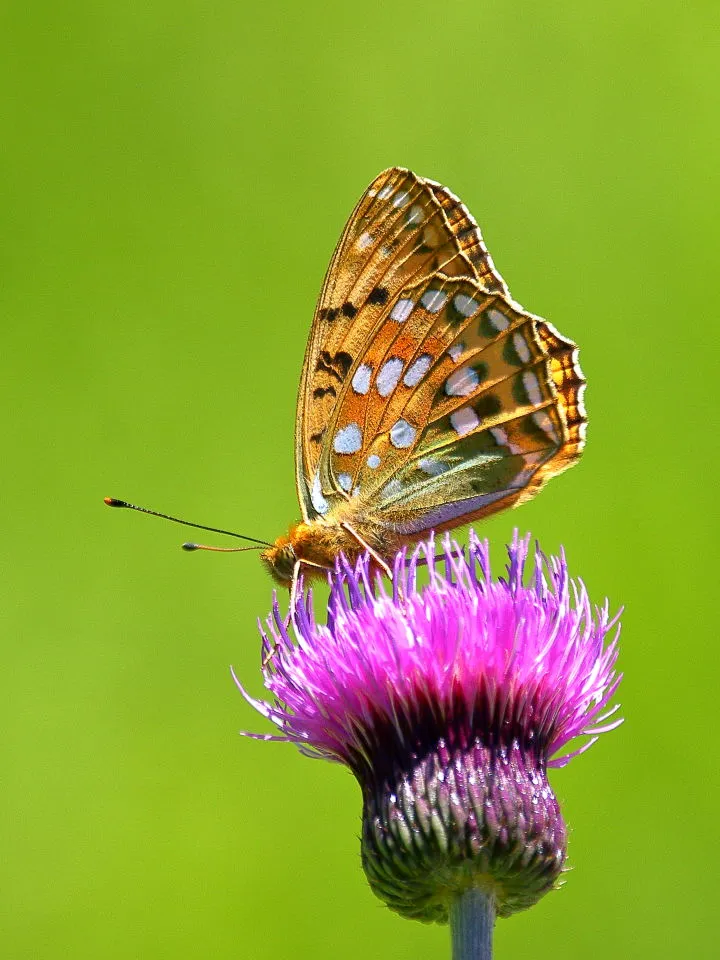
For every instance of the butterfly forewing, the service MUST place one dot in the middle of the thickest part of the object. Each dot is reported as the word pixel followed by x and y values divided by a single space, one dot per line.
pixel 468 237
pixel 400 233
pixel 428 397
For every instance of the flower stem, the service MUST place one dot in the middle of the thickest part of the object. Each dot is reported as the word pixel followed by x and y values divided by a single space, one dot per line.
pixel 472 917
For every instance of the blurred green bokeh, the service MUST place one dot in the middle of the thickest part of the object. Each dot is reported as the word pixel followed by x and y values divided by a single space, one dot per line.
pixel 174 179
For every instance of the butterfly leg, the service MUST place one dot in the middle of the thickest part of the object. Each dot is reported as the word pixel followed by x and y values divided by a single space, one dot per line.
pixel 293 600
pixel 294 586
pixel 294 590
pixel 366 546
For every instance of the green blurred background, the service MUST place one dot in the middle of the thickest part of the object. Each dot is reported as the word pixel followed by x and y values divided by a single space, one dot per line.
pixel 174 179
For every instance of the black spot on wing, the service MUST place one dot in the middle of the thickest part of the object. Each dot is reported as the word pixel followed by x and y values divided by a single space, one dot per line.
pixel 455 316
pixel 487 405
pixel 320 392
pixel 321 365
pixel 348 310
pixel 378 296
pixel 520 392
pixel 343 361
pixel 336 365
pixel 510 353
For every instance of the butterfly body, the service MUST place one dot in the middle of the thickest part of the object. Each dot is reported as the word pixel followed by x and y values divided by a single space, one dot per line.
pixel 429 398
pixel 316 543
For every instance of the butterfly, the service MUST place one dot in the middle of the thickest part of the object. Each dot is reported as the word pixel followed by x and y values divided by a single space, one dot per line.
pixel 428 398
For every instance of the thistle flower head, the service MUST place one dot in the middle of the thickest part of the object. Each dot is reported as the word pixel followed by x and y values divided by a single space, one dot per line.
pixel 448 703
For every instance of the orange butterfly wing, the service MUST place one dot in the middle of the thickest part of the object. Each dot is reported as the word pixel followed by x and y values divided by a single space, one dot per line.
pixel 399 230
pixel 428 396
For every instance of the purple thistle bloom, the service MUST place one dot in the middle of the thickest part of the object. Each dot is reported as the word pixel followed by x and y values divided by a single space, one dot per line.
pixel 448 703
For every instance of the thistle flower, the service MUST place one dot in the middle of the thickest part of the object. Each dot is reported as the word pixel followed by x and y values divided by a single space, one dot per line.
pixel 448 703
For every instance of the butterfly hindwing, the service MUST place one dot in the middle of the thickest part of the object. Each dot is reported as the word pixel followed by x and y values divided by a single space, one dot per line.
pixel 451 413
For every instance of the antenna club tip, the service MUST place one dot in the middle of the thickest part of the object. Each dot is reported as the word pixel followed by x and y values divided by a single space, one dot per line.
pixel 190 546
pixel 112 502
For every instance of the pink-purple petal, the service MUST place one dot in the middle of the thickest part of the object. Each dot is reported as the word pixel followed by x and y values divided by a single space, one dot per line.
pixel 534 653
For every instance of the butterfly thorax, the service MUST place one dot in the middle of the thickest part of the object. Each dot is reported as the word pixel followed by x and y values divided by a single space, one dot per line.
pixel 316 544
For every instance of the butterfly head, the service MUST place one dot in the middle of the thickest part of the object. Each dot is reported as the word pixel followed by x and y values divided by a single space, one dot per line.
pixel 280 560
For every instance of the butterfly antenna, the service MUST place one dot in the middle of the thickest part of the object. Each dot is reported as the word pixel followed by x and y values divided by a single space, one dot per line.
pixel 203 546
pixel 112 502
